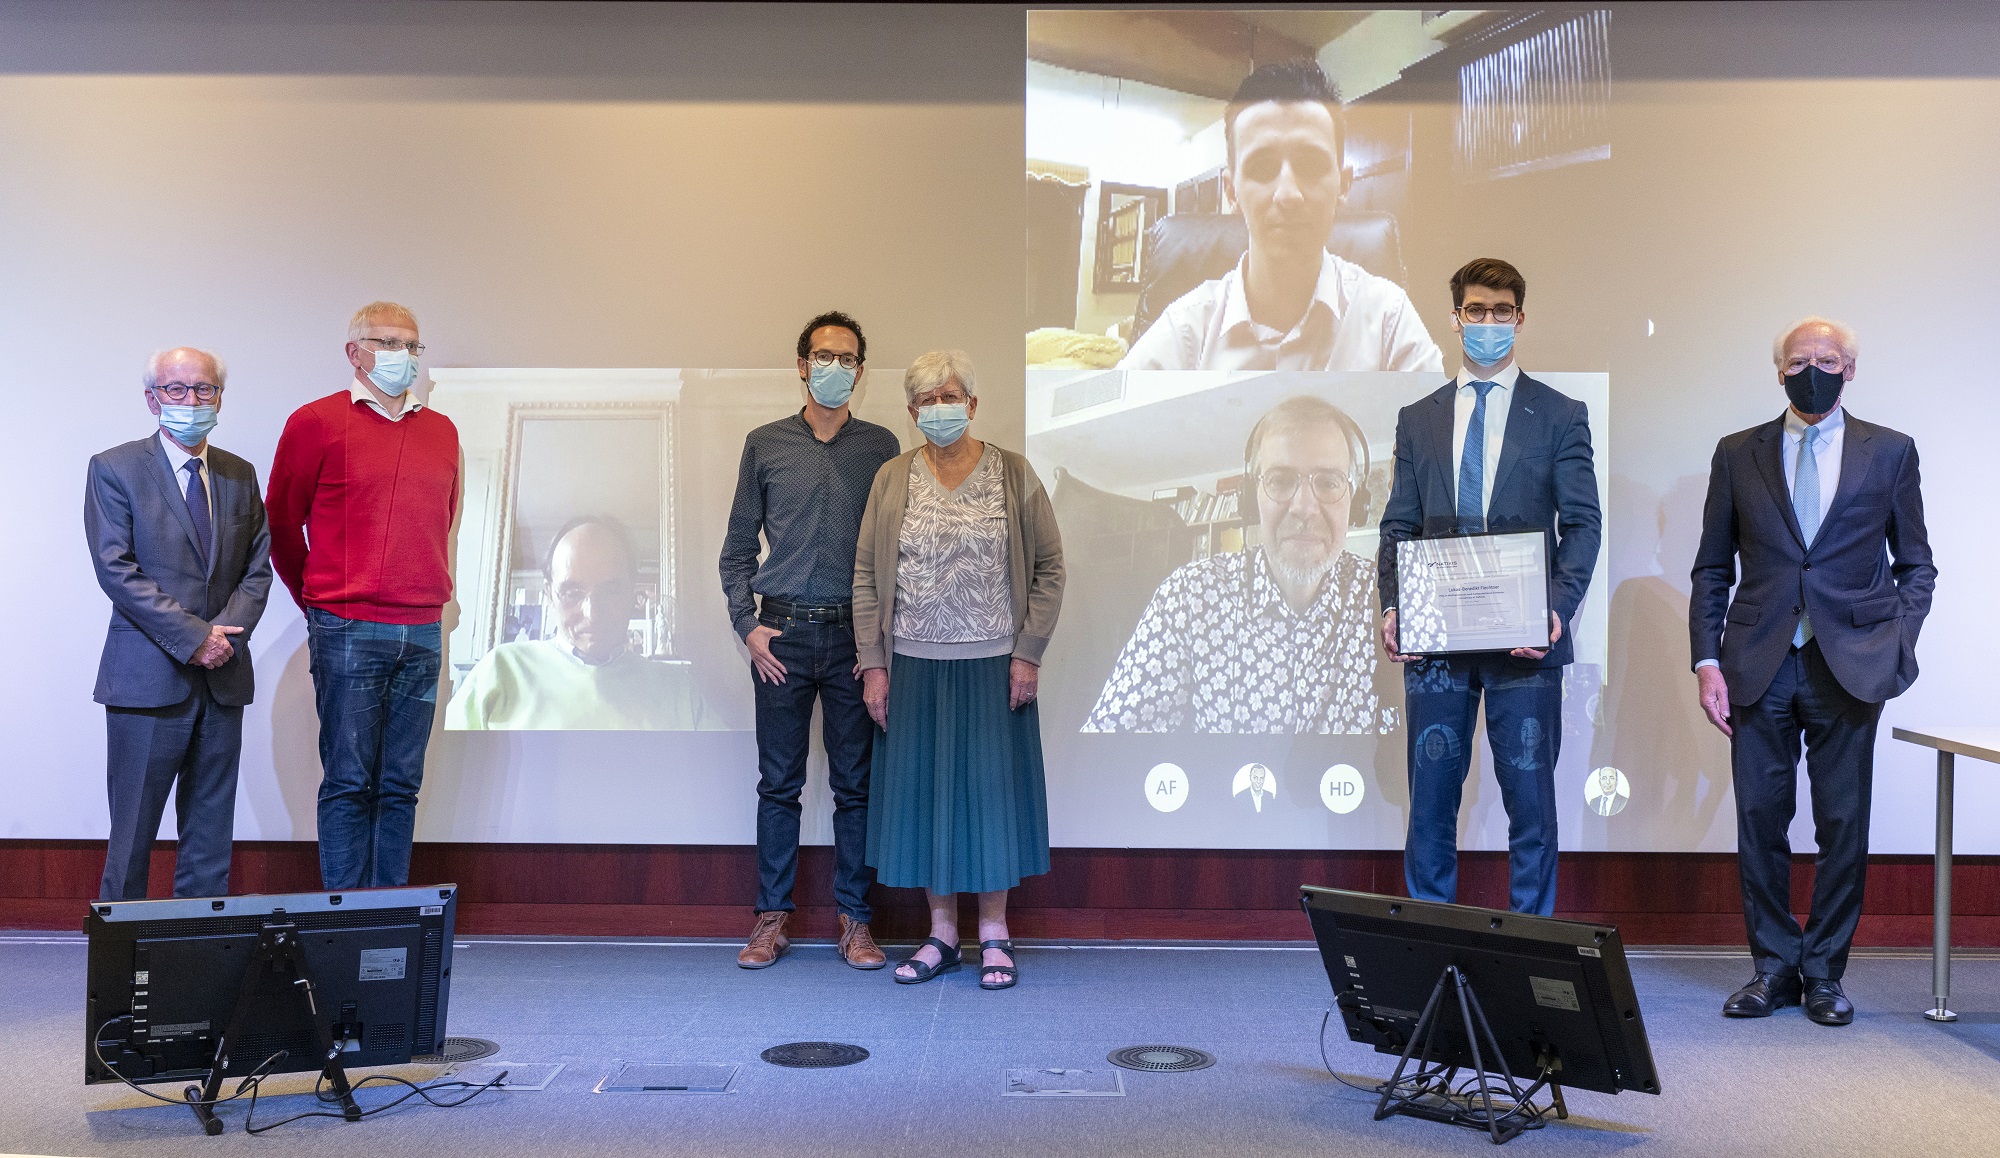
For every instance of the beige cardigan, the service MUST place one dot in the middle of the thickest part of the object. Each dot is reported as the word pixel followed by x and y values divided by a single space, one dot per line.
pixel 1034 558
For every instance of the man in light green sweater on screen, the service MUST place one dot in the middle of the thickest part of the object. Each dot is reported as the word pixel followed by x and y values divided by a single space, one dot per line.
pixel 587 676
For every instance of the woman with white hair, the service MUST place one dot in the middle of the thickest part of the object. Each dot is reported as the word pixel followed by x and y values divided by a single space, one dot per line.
pixel 958 580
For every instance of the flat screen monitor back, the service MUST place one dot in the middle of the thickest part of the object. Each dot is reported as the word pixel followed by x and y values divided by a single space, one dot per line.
pixel 1554 992
pixel 380 962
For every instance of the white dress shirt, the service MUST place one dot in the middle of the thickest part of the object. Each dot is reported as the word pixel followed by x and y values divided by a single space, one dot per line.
pixel 1826 454
pixel 177 458
pixel 1499 402
pixel 411 403
pixel 1355 321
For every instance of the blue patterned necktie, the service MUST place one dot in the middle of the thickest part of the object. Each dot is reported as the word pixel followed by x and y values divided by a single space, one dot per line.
pixel 1472 466
pixel 197 501
pixel 1805 504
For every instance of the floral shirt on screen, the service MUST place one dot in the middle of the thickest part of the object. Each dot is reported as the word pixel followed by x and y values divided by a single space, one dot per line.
pixel 1218 650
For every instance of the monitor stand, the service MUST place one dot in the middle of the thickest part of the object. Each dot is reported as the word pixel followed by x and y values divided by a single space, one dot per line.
pixel 279 951
pixel 1427 1091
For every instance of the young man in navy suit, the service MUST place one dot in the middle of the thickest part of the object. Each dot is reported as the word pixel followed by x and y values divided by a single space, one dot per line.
pixel 1825 515
pixel 1491 450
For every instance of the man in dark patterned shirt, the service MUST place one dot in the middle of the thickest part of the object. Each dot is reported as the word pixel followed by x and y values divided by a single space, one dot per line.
pixel 1276 638
pixel 803 484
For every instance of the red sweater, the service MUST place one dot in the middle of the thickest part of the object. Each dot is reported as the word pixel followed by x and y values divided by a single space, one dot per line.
pixel 361 510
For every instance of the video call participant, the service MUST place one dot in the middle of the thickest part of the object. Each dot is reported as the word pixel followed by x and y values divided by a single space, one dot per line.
pixel 1492 450
pixel 958 581
pixel 803 483
pixel 179 543
pixel 363 489
pixel 1825 516
pixel 1278 637
pixel 1288 304
pixel 587 676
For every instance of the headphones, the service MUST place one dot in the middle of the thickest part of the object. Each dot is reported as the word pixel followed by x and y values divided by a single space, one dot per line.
pixel 1357 453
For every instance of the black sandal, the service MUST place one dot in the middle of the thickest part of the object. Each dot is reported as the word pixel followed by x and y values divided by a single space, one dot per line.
pixel 949 959
pixel 1012 972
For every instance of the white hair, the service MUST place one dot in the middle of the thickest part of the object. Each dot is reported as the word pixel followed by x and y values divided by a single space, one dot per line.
pixel 936 368
pixel 1843 336
pixel 379 314
pixel 152 375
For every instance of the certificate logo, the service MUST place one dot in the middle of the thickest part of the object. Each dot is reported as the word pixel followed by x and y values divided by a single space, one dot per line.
pixel 1166 787
pixel 1607 791
pixel 1258 781
pixel 1341 789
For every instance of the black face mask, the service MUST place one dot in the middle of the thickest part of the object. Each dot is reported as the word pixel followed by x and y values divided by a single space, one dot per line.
pixel 1813 390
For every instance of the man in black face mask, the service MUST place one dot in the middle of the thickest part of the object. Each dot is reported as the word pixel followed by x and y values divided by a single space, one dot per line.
pixel 1822 630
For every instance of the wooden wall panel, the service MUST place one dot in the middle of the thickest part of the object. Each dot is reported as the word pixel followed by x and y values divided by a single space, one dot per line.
pixel 1194 894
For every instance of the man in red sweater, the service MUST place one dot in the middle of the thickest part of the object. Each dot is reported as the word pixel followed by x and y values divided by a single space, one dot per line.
pixel 363 491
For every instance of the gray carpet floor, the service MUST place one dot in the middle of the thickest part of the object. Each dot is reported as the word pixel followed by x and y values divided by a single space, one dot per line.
pixel 1891 1084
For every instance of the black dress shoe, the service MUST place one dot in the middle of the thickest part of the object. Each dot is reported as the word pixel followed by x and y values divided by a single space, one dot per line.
pixel 1766 994
pixel 1826 1004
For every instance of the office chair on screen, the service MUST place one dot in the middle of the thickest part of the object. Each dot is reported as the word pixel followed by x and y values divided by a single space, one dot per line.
pixel 1182 250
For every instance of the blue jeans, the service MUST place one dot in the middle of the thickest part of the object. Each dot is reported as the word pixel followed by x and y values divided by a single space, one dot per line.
pixel 1524 726
pixel 819 662
pixel 375 685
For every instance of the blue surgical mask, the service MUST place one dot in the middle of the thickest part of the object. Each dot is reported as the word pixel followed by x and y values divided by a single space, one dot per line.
pixel 1488 343
pixel 831 386
pixel 395 371
pixel 188 425
pixel 943 423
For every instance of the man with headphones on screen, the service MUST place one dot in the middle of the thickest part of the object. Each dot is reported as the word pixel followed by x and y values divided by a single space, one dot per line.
pixel 1491 450
pixel 1277 637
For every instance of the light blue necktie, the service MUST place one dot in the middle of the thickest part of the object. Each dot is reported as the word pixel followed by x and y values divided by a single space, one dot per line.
pixel 1472 466
pixel 1805 504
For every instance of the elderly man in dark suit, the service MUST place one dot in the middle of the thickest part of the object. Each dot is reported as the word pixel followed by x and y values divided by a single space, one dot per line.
pixel 1490 450
pixel 177 536
pixel 1824 515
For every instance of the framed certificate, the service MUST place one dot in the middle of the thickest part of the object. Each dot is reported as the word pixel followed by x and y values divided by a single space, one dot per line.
pixel 1467 593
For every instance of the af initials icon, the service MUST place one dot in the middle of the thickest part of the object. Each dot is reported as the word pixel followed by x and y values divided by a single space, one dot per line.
pixel 1166 787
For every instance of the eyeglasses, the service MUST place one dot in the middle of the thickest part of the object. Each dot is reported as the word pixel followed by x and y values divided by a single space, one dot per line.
pixel 946 398
pixel 392 345
pixel 1831 363
pixel 1502 313
pixel 828 358
pixel 1331 488
pixel 179 391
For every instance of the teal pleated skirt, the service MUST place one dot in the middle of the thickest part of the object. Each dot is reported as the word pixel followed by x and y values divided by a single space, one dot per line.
pixel 956 800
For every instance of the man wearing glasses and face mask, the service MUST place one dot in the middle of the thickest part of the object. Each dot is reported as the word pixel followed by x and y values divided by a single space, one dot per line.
pixel 363 489
pixel 178 538
pixel 803 485
pixel 1276 638
pixel 1491 450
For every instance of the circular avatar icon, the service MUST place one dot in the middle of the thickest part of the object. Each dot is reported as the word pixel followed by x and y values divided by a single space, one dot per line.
pixel 1341 789
pixel 1258 781
pixel 1607 791
pixel 1166 787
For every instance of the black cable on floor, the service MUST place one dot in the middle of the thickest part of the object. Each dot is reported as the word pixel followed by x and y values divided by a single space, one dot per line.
pixel 253 1084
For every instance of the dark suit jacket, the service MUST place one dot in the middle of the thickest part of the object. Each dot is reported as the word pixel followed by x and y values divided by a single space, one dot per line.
pixel 163 594
pixel 1547 478
pixel 1866 611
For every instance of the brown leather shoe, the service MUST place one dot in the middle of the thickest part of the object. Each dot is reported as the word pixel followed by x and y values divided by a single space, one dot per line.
pixel 767 941
pixel 857 945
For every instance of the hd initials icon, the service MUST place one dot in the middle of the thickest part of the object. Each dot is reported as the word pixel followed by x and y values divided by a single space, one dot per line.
pixel 1342 788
